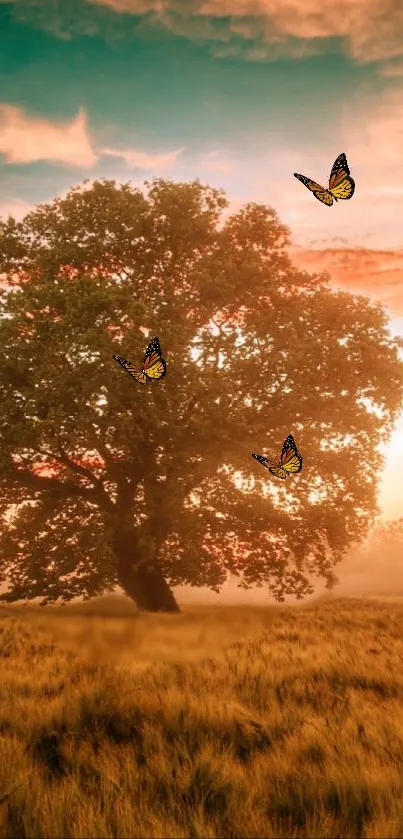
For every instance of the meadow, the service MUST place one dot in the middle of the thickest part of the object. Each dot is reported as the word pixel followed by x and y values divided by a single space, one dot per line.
pixel 218 722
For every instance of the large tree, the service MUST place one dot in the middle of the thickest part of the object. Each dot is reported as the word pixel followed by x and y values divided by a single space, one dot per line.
pixel 152 487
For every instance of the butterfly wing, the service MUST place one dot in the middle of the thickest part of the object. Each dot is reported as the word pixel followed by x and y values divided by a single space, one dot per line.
pixel 272 466
pixel 291 460
pixel 279 472
pixel 341 184
pixel 155 367
pixel 135 372
pixel 265 461
pixel 288 445
pixel 153 347
pixel 319 191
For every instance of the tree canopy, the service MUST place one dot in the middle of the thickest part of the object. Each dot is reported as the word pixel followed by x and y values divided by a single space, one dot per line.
pixel 152 487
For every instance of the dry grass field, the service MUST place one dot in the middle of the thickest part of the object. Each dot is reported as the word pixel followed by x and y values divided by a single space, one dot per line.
pixel 219 722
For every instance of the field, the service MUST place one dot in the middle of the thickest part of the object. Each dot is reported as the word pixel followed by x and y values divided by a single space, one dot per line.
pixel 219 722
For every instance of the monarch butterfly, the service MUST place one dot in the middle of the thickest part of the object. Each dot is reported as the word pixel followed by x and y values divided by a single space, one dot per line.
pixel 341 185
pixel 290 460
pixel 154 366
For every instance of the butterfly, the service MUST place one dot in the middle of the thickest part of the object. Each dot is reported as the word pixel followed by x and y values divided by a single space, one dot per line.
pixel 341 185
pixel 290 460
pixel 154 366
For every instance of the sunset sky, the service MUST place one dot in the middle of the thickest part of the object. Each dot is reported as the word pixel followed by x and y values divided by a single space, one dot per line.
pixel 240 93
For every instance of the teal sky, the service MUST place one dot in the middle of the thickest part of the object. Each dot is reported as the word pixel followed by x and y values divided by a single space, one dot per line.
pixel 241 123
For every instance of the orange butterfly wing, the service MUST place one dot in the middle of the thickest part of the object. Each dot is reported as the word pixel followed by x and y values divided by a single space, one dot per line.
pixel 265 461
pixel 154 365
pixel 133 371
pixel 271 465
pixel 153 347
pixel 279 472
pixel 318 191
pixel 290 459
pixel 341 184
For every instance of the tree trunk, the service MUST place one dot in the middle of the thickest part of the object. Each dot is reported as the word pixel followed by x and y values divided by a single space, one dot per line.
pixel 139 575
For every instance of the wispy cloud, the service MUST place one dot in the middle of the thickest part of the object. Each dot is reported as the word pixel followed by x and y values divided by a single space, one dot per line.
pixel 377 273
pixel 136 7
pixel 215 161
pixel 370 29
pixel 136 159
pixel 26 139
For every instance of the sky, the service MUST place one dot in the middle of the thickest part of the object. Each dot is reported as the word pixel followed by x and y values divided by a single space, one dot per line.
pixel 239 93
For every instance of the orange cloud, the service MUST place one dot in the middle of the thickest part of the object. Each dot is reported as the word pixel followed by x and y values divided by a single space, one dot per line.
pixel 27 139
pixel 376 273
pixel 142 160
pixel 370 29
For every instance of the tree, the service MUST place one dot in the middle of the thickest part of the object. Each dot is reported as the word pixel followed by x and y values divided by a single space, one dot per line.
pixel 152 487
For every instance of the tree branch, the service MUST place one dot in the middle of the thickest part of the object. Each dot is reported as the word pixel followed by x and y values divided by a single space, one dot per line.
pixel 98 487
pixel 40 483
pixel 64 458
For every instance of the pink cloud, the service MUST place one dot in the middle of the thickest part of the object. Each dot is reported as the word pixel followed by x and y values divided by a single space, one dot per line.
pixel 376 273
pixel 137 159
pixel 27 139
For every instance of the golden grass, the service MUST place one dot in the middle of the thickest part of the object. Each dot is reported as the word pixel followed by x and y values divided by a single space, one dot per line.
pixel 219 722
